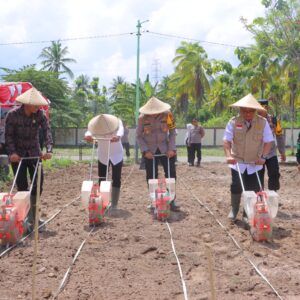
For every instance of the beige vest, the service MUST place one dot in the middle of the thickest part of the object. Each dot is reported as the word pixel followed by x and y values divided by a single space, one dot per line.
pixel 247 143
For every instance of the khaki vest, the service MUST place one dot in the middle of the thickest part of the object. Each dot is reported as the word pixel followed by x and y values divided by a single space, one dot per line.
pixel 247 143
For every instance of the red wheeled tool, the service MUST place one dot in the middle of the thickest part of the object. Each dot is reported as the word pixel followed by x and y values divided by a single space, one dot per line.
pixel 261 208
pixel 13 210
pixel 161 192
pixel 96 198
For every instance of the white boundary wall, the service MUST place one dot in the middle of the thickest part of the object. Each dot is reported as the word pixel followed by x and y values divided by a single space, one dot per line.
pixel 213 136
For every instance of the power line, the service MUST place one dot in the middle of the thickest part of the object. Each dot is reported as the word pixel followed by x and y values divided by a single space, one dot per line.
pixel 192 39
pixel 69 39
pixel 121 34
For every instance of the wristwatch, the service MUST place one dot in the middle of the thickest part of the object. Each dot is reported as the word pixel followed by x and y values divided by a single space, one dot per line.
pixel 264 157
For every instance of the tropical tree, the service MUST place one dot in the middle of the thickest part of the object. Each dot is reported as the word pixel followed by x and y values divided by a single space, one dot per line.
pixel 191 72
pixel 55 60
pixel 278 33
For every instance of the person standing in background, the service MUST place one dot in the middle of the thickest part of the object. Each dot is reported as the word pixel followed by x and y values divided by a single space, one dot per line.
pixel 272 163
pixel 195 135
pixel 125 140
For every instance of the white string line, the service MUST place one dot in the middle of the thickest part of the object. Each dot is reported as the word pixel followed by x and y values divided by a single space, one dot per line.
pixel 68 272
pixel 66 276
pixel 234 241
pixel 178 264
pixel 43 224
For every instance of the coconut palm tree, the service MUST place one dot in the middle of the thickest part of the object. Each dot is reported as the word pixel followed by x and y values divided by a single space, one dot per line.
pixel 191 72
pixel 54 59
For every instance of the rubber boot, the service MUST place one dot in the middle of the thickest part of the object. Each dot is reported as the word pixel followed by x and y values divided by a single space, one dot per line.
pixel 115 195
pixel 30 220
pixel 113 211
pixel 174 206
pixel 235 206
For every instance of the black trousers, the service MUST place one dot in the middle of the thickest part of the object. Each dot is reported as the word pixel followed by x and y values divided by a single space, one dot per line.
pixel 196 149
pixel 22 178
pixel 250 182
pixel 164 161
pixel 189 154
pixel 272 166
pixel 116 173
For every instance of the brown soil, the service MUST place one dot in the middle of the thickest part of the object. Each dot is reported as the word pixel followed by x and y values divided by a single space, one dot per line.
pixel 130 256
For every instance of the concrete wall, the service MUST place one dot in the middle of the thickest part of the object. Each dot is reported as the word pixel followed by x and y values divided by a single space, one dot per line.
pixel 213 136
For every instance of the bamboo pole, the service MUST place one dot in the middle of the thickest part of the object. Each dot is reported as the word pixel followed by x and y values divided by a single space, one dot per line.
pixel 211 272
pixel 36 230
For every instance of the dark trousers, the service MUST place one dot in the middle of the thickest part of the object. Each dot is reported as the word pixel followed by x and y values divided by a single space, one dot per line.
pixel 22 180
pixel 189 154
pixel 250 182
pixel 126 147
pixel 273 173
pixel 196 148
pixel 164 161
pixel 116 173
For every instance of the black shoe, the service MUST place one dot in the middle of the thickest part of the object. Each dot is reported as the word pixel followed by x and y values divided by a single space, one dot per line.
pixel 198 164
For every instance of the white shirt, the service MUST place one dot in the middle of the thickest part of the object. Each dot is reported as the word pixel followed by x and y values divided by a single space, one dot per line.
pixel 267 138
pixel 115 148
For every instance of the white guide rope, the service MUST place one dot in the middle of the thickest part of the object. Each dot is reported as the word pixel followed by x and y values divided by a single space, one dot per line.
pixel 66 276
pixel 234 241
pixel 178 264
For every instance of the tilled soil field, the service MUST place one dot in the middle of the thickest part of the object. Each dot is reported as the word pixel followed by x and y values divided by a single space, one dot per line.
pixel 130 256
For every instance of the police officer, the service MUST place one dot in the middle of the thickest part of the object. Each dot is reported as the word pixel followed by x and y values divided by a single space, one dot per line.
pixel 272 164
pixel 195 135
pixel 156 134
pixel 247 140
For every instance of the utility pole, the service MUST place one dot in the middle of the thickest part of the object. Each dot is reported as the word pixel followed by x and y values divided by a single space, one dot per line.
pixel 137 89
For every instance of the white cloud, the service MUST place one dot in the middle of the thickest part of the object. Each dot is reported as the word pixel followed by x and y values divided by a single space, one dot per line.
pixel 35 20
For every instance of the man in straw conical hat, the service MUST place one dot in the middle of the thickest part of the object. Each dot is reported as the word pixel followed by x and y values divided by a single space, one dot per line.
pixel 22 126
pixel 247 141
pixel 155 134
pixel 108 130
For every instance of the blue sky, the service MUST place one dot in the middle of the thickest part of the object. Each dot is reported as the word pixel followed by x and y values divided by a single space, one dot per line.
pixel 110 54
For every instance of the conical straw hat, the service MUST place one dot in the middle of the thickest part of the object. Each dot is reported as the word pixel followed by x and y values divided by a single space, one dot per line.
pixel 154 106
pixel 248 102
pixel 32 97
pixel 103 124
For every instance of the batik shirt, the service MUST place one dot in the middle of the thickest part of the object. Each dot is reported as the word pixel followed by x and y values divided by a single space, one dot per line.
pixel 22 133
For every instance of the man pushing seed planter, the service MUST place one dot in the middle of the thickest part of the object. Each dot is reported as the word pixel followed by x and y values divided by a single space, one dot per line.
pixel 247 140
pixel 22 127
pixel 107 130
pixel 155 135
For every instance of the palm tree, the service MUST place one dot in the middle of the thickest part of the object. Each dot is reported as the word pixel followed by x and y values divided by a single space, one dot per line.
pixel 55 60
pixel 192 71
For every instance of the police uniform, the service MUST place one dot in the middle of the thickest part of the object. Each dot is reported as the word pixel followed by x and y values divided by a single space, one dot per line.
pixel 272 163
pixel 154 135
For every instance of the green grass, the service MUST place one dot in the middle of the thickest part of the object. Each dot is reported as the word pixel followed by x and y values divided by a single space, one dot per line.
pixel 181 151
pixel 56 163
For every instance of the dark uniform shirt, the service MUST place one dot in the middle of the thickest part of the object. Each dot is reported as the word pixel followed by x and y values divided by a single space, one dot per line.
pixel 22 133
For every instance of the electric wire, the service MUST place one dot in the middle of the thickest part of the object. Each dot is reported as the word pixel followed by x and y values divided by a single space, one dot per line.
pixel 234 241
pixel 68 39
pixel 192 39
